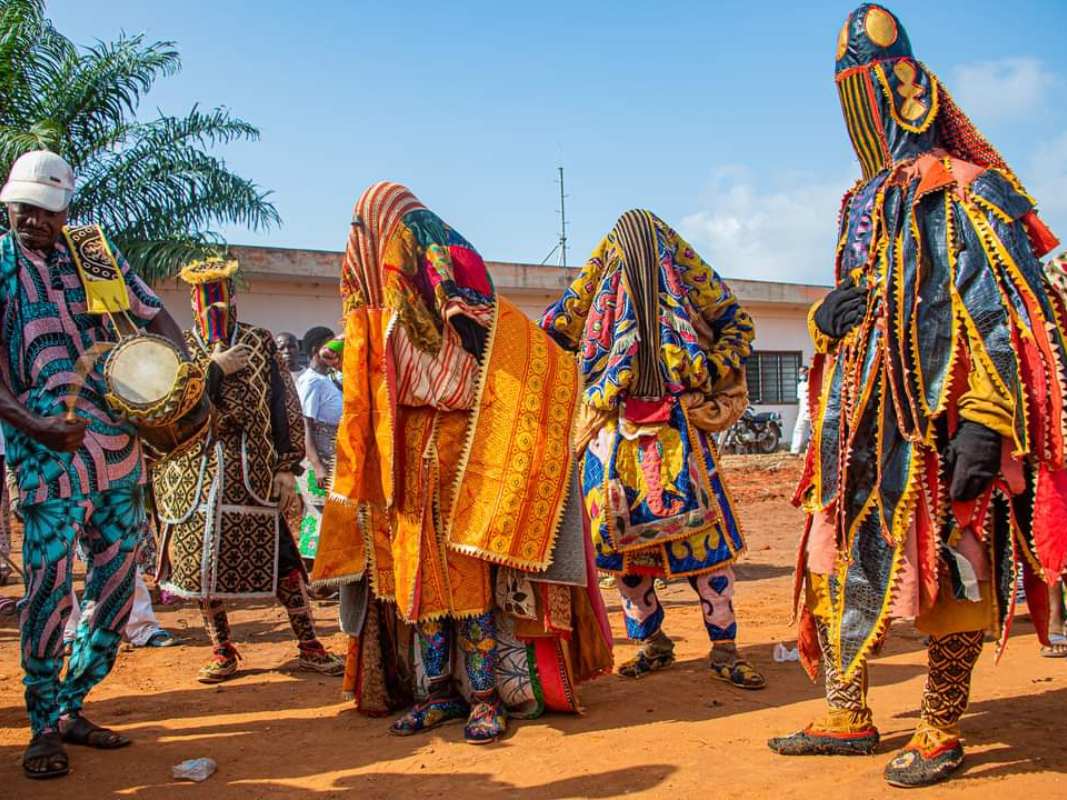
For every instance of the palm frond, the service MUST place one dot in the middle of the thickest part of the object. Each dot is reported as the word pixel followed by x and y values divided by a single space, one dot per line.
pixel 154 185
pixel 97 90
pixel 14 141
pixel 155 260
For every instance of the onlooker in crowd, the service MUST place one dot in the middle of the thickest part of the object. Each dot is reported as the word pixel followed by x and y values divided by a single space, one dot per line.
pixel 802 429
pixel 1057 630
pixel 320 400
pixel 142 629
pixel 289 348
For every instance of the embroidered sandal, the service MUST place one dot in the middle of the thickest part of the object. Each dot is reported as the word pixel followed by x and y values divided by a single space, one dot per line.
pixel 430 714
pixel 913 767
pixel 814 742
pixel 321 660
pixel 488 720
pixel 654 654
pixel 738 673
pixel 222 666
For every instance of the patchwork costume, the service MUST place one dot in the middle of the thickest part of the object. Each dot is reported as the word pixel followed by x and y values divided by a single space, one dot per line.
pixel 661 344
pixel 222 533
pixel 54 331
pixel 448 509
pixel 934 480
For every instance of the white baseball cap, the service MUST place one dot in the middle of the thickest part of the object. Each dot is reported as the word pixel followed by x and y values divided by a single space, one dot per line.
pixel 39 178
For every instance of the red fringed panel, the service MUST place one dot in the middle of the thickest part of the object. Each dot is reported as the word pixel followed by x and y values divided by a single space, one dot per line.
pixel 1042 239
pixel 808 644
pixel 1036 601
pixel 926 540
pixel 1050 520
pixel 1044 360
pixel 1037 395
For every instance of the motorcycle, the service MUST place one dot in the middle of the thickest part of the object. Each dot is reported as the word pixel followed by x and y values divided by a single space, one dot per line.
pixel 754 432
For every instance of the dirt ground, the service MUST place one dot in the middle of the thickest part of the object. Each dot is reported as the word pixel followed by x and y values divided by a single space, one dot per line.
pixel 278 733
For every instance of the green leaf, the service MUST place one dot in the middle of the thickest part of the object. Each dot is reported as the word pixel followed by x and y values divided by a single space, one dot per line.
pixel 157 185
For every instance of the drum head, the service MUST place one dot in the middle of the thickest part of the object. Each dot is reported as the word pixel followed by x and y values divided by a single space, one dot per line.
pixel 143 370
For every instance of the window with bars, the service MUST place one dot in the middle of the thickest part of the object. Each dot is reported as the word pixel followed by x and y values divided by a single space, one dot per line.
pixel 772 377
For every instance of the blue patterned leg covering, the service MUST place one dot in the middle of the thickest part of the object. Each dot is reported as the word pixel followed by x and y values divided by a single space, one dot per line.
pixel 48 558
pixel 716 591
pixel 435 649
pixel 477 638
pixel 112 535
pixel 640 606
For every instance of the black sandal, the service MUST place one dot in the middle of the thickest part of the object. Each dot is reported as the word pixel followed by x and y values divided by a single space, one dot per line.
pixel 46 747
pixel 648 659
pixel 84 733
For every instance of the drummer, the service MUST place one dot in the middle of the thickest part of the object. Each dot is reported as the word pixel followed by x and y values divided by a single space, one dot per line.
pixel 78 474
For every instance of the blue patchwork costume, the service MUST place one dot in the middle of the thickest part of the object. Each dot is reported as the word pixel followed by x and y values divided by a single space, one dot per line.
pixel 661 343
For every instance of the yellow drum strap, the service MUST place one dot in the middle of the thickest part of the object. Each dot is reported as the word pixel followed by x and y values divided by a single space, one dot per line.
pixel 105 288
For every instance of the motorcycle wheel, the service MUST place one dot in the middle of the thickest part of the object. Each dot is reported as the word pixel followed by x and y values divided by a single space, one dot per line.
pixel 769 442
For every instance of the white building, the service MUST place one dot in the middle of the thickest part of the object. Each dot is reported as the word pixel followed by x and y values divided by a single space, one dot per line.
pixel 293 290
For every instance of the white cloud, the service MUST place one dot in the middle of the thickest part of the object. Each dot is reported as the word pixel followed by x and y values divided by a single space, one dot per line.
pixel 1046 180
pixel 784 232
pixel 993 90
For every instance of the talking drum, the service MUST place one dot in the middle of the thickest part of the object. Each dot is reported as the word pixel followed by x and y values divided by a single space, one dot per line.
pixel 151 384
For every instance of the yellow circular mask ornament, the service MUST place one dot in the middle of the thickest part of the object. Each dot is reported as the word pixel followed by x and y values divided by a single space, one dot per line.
pixel 881 27
pixel 842 41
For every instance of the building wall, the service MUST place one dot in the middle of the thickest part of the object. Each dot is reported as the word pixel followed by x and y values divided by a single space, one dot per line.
pixel 782 328
pixel 278 305
pixel 272 298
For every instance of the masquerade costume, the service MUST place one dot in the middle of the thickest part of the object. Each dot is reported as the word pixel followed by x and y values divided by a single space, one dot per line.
pixel 221 531
pixel 661 344
pixel 934 479
pixel 51 318
pixel 448 509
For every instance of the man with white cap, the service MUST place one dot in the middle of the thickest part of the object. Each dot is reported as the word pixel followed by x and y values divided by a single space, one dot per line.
pixel 79 467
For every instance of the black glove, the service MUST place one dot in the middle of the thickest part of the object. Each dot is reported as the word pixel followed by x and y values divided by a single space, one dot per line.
pixel 973 456
pixel 841 311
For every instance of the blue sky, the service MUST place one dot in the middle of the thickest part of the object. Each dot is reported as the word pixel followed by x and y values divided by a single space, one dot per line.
pixel 721 117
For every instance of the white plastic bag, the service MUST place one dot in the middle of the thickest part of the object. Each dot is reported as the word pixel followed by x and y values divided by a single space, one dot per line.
pixel 195 769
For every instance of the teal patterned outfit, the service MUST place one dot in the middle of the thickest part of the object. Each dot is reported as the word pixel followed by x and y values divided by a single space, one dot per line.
pixel 93 495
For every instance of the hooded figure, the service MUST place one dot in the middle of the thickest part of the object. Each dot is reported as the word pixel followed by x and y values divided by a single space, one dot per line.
pixel 448 511
pixel 934 479
pixel 661 344
pixel 219 498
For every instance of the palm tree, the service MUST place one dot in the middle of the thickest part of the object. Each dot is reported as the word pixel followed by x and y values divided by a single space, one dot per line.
pixel 154 185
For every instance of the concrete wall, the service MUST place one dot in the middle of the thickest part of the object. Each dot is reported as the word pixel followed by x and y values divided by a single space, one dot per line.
pixel 783 328
pixel 293 290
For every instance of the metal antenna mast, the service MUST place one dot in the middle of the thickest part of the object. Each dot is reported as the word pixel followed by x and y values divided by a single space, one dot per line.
pixel 562 222
pixel 561 245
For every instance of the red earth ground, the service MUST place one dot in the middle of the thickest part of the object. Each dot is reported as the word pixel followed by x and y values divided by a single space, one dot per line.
pixel 279 733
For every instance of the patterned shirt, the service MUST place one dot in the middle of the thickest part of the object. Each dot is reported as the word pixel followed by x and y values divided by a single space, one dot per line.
pixel 46 329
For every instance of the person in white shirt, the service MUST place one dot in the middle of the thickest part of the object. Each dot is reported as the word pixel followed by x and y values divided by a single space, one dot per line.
pixel 142 629
pixel 320 401
pixel 802 429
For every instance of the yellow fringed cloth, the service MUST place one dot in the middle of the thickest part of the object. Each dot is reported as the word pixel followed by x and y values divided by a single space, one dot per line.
pixel 514 481
pixel 426 499
pixel 433 484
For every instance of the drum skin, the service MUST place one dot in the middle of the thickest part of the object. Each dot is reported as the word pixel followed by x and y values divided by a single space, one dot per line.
pixel 143 370
pixel 157 389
